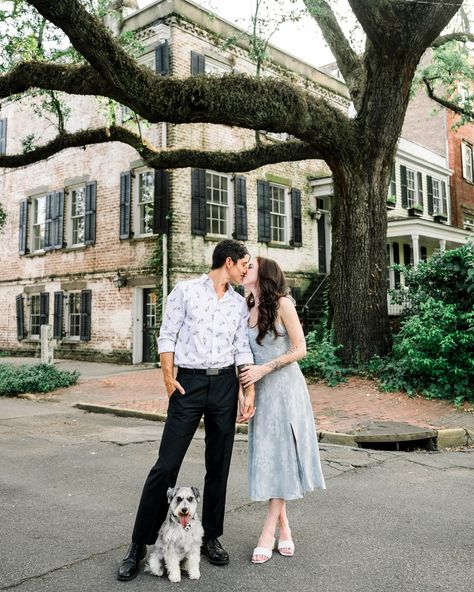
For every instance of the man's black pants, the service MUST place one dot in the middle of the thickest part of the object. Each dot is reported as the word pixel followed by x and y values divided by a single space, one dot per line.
pixel 215 397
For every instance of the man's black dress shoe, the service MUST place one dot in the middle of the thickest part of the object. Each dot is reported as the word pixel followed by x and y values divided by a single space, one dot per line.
pixel 213 550
pixel 128 569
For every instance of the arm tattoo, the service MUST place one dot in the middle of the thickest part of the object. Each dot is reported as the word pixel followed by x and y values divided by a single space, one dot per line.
pixel 277 363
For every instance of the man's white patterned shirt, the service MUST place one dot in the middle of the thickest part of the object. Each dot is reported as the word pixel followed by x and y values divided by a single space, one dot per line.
pixel 203 331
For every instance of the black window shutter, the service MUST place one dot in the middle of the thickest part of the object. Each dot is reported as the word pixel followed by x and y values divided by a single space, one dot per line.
pixel 240 203
pixel 58 219
pixel 125 204
pixel 423 254
pixel 263 204
pixel 20 318
pixel 90 213
pixel 3 136
pixel 444 199
pixel 198 63
pixel 86 302
pixel 407 255
pixel 396 261
pixel 162 59
pixel 403 186
pixel 198 201
pixel 429 185
pixel 48 227
pixel 297 239
pixel 420 188
pixel 58 316
pixel 23 227
pixel 44 308
pixel 161 204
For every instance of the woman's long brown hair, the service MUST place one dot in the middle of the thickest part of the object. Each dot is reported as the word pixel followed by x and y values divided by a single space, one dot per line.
pixel 272 286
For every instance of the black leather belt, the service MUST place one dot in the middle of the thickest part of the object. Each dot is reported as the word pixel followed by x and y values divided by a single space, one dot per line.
pixel 208 371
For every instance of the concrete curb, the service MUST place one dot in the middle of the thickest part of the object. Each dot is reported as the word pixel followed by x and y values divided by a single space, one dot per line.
pixel 445 438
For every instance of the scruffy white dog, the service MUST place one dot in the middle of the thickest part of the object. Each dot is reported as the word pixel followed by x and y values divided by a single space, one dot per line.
pixel 180 536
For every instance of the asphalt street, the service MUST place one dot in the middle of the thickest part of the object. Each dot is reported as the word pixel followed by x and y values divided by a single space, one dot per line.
pixel 70 482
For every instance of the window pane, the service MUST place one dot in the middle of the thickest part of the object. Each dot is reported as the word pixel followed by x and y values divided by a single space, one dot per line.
pixel 217 199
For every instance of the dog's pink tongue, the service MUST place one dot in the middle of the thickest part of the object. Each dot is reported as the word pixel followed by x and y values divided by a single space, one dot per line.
pixel 184 521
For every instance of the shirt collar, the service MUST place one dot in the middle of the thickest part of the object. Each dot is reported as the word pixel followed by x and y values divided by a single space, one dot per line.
pixel 205 279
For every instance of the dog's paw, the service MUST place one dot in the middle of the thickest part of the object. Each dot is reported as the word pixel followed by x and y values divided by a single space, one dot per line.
pixel 154 566
pixel 174 576
pixel 194 574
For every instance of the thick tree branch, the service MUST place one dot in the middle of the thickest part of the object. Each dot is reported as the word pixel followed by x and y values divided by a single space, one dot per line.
pixel 154 157
pixel 442 39
pixel 234 100
pixel 227 162
pixel 78 139
pixel 71 79
pixel 350 65
pixel 445 103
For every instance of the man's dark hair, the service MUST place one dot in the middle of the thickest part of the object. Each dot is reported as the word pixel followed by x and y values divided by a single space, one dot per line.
pixel 228 248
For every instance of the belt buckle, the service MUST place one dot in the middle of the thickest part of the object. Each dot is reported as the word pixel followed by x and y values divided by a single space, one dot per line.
pixel 212 371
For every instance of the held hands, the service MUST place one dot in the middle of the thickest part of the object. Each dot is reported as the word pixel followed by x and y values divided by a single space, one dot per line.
pixel 252 374
pixel 246 406
pixel 173 385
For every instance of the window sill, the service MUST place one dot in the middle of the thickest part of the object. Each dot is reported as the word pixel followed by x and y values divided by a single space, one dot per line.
pixel 69 340
pixel 143 237
pixel 280 246
pixel 31 340
pixel 215 238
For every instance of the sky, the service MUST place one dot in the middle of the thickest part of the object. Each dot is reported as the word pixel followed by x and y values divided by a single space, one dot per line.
pixel 302 39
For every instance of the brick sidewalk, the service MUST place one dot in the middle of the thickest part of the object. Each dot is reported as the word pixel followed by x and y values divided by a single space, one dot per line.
pixel 347 408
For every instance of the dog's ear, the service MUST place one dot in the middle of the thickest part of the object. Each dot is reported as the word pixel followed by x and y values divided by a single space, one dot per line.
pixel 197 495
pixel 171 493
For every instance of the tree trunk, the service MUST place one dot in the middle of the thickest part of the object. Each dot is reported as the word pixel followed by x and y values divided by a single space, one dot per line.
pixel 358 286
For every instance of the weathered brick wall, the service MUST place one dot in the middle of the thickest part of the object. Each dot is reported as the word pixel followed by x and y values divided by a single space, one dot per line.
pixel 462 191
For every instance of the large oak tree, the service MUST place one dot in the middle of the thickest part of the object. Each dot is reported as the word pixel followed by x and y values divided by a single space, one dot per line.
pixel 359 151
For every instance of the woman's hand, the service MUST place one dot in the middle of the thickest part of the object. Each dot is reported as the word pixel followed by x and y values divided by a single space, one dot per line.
pixel 246 405
pixel 252 374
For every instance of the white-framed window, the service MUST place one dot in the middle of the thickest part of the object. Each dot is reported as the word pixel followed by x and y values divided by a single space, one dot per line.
pixel 437 198
pixel 144 190
pixel 38 205
pixel 217 204
pixel 212 66
pixel 77 211
pixel 392 188
pixel 73 317
pixel 279 214
pixel 467 162
pixel 411 188
pixel 469 223
pixel 35 315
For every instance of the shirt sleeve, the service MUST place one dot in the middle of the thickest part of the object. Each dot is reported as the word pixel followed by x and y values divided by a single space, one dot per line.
pixel 173 320
pixel 243 353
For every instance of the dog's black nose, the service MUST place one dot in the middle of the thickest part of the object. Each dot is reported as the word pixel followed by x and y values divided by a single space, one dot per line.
pixel 184 511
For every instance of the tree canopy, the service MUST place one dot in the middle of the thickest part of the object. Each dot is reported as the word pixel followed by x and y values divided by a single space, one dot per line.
pixel 359 150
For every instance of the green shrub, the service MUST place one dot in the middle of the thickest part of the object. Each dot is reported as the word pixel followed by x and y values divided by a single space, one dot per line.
pixel 321 359
pixel 433 354
pixel 38 378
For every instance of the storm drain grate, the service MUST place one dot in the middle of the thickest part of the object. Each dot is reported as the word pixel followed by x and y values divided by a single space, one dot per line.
pixel 403 445
pixel 396 436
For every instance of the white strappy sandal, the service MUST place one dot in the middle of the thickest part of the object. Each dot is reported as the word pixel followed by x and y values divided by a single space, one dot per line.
pixel 264 552
pixel 288 546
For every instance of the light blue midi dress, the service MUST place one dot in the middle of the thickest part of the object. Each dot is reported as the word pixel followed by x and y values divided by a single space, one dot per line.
pixel 283 452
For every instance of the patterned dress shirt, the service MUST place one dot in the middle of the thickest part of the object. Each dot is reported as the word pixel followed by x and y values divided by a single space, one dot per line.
pixel 202 330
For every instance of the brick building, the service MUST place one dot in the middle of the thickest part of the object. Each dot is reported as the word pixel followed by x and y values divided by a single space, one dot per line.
pixel 91 232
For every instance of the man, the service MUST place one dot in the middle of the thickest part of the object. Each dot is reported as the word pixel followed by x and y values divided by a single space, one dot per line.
pixel 204 334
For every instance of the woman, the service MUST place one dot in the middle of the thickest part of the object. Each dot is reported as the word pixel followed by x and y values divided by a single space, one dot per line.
pixel 283 455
